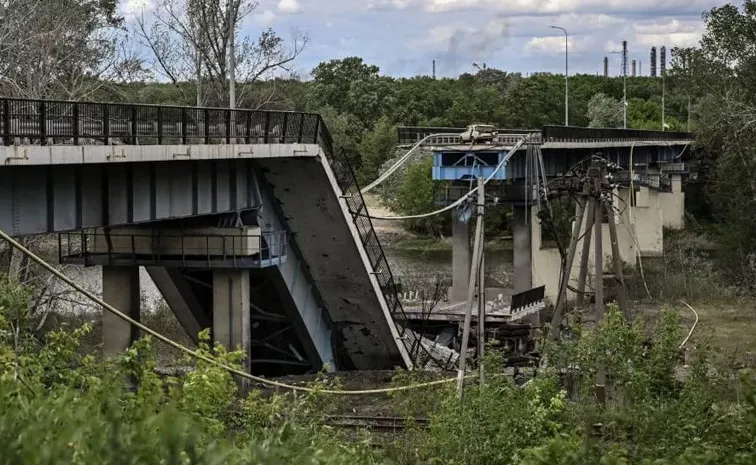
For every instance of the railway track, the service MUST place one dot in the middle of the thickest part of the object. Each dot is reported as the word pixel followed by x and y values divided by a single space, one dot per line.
pixel 374 422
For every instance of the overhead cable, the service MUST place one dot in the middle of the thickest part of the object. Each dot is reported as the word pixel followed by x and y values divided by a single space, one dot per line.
pixel 501 164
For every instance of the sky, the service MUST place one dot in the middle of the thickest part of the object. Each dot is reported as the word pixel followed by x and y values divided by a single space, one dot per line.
pixel 403 37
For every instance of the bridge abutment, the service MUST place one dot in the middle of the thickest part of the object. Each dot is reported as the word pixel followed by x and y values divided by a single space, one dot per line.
pixel 648 219
pixel 672 204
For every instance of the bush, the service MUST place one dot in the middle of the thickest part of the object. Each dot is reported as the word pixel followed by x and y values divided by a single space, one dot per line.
pixel 62 406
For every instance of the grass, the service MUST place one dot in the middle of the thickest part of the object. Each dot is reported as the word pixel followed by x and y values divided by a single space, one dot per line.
pixel 730 327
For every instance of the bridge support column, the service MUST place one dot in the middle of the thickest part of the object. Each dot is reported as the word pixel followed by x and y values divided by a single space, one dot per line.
pixel 120 288
pixel 461 258
pixel 648 223
pixel 523 249
pixel 672 204
pixel 231 317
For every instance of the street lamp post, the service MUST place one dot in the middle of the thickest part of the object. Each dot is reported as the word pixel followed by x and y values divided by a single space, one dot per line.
pixel 624 89
pixel 566 75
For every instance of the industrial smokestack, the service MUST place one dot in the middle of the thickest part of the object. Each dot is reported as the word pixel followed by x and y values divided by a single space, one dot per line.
pixel 434 69
pixel 653 62
pixel 663 61
pixel 606 66
pixel 635 68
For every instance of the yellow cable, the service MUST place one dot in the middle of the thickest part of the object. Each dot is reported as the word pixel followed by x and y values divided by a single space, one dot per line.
pixel 199 356
pixel 695 323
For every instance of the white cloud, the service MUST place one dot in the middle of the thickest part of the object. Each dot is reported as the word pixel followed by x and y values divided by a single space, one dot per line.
pixel 551 45
pixel 518 7
pixel 288 6
pixel 265 18
pixel 388 5
pixel 675 39
pixel 674 33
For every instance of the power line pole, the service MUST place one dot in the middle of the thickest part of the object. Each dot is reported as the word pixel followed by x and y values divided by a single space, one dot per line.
pixel 624 82
pixel 476 261
pixel 482 304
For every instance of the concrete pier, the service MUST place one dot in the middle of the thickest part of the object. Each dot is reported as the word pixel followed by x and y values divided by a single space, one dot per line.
pixel 461 258
pixel 523 257
pixel 120 288
pixel 647 217
pixel 231 317
pixel 672 204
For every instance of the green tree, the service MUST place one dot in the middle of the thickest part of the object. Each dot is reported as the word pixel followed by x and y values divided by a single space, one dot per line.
pixel 416 196
pixel 604 112
pixel 375 148
pixel 722 70
pixel 351 86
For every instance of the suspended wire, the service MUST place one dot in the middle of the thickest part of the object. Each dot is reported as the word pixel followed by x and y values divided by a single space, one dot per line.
pixel 401 161
pixel 465 197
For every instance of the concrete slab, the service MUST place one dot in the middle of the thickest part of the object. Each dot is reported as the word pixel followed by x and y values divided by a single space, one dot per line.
pixel 93 154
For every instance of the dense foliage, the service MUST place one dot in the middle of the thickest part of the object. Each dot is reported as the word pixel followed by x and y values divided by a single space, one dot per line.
pixel 62 406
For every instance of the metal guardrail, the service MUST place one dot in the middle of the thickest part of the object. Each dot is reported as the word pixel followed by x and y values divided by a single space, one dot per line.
pixel 48 122
pixel 500 141
pixel 413 134
pixel 189 250
pixel 578 134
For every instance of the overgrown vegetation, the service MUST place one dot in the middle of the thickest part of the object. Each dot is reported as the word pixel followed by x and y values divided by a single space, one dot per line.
pixel 61 405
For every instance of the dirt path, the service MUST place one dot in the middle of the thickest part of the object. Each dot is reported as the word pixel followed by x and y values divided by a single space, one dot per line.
pixel 384 228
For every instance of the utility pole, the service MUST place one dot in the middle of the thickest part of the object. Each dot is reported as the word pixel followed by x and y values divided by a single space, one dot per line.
pixel 567 270
pixel 624 82
pixel 476 262
pixel 664 96
pixel 623 54
pixel 232 69
pixel 599 270
pixel 566 75
pixel 482 303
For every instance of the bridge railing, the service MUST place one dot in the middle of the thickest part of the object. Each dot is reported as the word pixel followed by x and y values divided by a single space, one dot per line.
pixel 578 134
pixel 412 135
pixel 48 122
pixel 187 249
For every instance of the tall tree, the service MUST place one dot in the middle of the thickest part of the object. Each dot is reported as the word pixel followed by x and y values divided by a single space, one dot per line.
pixel 57 48
pixel 351 86
pixel 604 112
pixel 722 72
pixel 201 41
